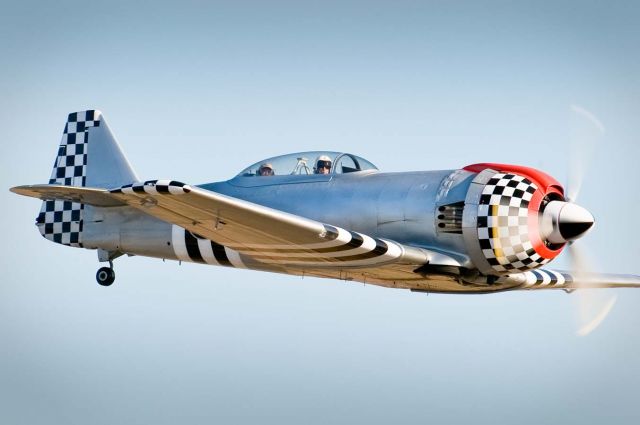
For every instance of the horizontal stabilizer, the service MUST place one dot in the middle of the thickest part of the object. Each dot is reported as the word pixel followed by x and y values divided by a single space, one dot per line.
pixel 84 195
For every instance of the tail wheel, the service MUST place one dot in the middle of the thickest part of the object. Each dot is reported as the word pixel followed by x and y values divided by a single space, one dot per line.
pixel 105 276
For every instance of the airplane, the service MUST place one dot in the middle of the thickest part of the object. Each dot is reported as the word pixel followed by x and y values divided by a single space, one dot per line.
pixel 483 228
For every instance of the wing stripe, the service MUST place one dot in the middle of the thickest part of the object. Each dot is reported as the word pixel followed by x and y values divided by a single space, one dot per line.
pixel 356 241
pixel 162 189
pixel 332 237
pixel 546 278
pixel 539 277
pixel 331 232
pixel 531 278
pixel 154 187
pixel 552 279
pixel 379 249
pixel 375 248
pixel 556 278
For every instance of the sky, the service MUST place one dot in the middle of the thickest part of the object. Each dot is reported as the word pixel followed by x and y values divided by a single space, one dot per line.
pixel 197 90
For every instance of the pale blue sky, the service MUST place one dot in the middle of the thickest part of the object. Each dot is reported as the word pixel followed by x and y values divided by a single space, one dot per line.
pixel 196 91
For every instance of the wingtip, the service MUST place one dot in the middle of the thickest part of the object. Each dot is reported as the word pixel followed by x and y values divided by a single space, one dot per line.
pixel 24 190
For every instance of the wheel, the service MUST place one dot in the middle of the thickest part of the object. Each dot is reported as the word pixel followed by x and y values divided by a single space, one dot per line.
pixel 105 276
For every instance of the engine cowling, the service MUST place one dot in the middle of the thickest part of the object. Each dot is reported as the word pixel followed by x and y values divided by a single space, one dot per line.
pixel 516 218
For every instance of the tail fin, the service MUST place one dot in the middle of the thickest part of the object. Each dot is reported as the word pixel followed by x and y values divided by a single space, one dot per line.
pixel 88 155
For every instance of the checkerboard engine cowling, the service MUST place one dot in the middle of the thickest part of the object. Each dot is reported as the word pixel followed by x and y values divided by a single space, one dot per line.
pixel 503 230
pixel 61 221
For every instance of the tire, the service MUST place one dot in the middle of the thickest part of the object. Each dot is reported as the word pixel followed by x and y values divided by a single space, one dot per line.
pixel 105 276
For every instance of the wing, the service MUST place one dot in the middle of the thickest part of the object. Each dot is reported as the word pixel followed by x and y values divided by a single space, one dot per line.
pixel 568 281
pixel 278 241
pixel 268 237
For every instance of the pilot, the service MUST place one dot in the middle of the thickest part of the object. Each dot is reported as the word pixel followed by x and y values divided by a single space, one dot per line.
pixel 265 169
pixel 323 165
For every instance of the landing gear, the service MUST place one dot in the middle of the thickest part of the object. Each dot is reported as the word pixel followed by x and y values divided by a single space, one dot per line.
pixel 105 276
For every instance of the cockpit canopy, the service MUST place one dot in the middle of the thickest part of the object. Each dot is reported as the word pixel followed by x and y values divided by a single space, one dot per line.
pixel 308 163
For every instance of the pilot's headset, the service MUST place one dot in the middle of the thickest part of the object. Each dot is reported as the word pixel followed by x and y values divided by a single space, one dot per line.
pixel 323 161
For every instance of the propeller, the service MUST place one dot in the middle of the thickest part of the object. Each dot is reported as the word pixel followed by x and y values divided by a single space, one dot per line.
pixel 593 306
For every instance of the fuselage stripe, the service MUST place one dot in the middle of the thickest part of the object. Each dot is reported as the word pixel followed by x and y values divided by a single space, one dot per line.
pixel 234 258
pixel 207 252
pixel 178 242
pixel 193 250
pixel 220 254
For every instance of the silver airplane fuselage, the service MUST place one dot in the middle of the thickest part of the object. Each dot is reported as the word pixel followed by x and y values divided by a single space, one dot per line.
pixel 398 206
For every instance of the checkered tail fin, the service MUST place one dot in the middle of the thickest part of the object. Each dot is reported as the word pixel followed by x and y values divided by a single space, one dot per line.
pixel 88 155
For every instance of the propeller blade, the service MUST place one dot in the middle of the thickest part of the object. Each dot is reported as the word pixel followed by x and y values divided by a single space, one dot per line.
pixel 590 326
pixel 586 130
pixel 593 306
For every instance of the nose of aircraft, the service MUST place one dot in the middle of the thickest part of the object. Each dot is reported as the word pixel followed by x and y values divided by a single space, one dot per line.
pixel 564 221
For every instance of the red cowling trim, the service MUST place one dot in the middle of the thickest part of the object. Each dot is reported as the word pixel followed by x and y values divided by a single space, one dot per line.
pixel 546 185
pixel 534 233
pixel 543 180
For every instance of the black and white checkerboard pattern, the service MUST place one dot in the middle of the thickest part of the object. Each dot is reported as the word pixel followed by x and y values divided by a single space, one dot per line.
pixel 154 187
pixel 503 229
pixel 61 221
